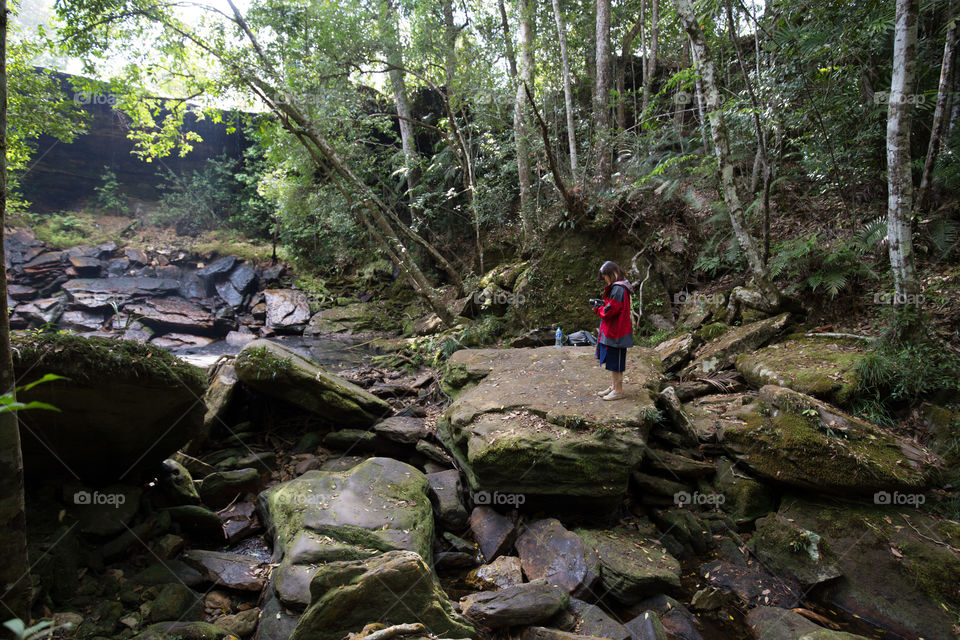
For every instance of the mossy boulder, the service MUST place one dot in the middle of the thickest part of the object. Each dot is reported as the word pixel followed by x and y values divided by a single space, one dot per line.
pixel 795 439
pixel 218 396
pixel 393 588
pixel 721 353
pixel 348 319
pixel 533 425
pixel 379 505
pixel 504 275
pixel 698 308
pixel 790 551
pixel 632 566
pixel 744 498
pixel 184 631
pixel 123 408
pixel 820 367
pixel 557 286
pixel 176 602
pixel 899 564
pixel 277 371
pixel 774 623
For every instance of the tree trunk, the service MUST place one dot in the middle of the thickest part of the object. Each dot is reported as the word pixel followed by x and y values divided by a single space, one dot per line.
pixel 899 178
pixel 762 156
pixel 449 46
pixel 651 69
pixel 15 572
pixel 601 96
pixel 748 243
pixel 626 56
pixel 525 73
pixel 939 112
pixel 327 158
pixel 954 106
pixel 567 90
pixel 391 43
pixel 698 90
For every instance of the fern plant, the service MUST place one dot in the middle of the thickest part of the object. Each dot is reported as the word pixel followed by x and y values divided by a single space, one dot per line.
pixel 44 629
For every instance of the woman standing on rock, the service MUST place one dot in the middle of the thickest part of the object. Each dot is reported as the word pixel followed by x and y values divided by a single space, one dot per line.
pixel 616 328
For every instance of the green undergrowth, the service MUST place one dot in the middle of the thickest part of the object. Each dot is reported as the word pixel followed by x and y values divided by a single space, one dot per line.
pixel 66 229
pixel 435 350
pixel 265 362
pixel 898 374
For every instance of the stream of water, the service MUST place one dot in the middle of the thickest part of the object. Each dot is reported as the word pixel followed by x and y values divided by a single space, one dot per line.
pixel 334 354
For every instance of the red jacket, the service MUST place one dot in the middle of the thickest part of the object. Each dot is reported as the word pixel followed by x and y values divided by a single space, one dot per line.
pixel 616 327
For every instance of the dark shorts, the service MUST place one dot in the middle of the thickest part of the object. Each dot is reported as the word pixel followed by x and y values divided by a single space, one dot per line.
pixel 614 358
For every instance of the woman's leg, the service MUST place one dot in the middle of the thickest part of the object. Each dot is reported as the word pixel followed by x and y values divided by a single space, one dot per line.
pixel 617 381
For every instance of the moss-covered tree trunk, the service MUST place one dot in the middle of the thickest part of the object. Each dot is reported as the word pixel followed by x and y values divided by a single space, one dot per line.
pixel 14 570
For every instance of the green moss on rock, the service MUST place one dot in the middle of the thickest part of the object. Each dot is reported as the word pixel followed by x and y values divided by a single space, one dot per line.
pixel 795 439
pixel 280 372
pixel 394 588
pixel 819 367
pixel 95 359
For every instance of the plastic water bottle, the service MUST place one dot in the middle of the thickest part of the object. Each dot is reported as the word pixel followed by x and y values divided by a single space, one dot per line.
pixel 556 342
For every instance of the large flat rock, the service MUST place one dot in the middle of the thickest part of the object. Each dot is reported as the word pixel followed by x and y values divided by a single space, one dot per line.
pixel 559 384
pixel 173 313
pixel 899 564
pixel 821 367
pixel 96 293
pixel 533 424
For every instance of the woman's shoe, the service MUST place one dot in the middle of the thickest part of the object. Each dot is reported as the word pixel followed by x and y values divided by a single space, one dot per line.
pixel 613 395
pixel 605 391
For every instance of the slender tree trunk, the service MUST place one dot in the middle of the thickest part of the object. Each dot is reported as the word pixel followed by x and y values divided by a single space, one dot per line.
pixel 525 73
pixel 651 69
pixel 450 31
pixel 758 270
pixel 762 156
pixel 626 56
pixel 601 95
pixel 698 89
pixel 15 584
pixel 954 106
pixel 391 42
pixel 939 112
pixel 567 90
pixel 899 178
pixel 519 125
pixel 681 106
pixel 449 46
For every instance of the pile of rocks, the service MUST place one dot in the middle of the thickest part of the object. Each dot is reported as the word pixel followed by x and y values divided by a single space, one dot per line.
pixel 171 298
pixel 731 494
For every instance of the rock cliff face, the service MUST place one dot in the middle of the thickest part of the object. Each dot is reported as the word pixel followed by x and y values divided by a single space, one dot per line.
pixel 66 174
